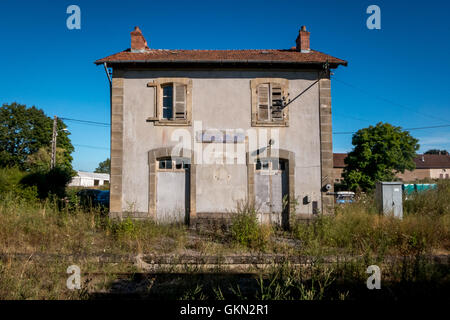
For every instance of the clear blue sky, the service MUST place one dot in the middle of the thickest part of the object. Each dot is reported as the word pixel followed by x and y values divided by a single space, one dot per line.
pixel 406 62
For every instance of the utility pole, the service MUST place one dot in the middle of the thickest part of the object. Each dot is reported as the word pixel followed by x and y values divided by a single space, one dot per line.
pixel 54 135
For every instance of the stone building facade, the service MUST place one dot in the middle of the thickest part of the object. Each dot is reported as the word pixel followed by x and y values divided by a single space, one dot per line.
pixel 195 133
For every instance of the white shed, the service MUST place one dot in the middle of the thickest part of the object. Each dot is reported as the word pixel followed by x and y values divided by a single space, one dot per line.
pixel 89 179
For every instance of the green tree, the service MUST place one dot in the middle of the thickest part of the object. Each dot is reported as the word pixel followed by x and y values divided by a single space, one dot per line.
pixel 104 166
pixel 436 151
pixel 24 131
pixel 379 153
pixel 41 159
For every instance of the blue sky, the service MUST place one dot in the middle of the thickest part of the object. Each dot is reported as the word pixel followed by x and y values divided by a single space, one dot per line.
pixel 399 74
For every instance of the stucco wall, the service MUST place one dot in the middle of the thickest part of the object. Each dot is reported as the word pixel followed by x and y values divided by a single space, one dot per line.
pixel 222 100
pixel 417 174
pixel 436 173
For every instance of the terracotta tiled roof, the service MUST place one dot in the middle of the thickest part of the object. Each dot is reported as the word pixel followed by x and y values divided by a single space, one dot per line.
pixel 430 161
pixel 268 56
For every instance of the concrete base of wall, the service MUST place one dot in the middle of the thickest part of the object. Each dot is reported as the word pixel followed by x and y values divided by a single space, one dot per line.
pixel 211 221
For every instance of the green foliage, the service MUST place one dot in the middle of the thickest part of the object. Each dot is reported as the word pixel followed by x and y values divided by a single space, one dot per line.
pixel 285 282
pixel 357 228
pixel 433 202
pixel 124 229
pixel 194 293
pixel 41 160
pixel 436 151
pixel 379 153
pixel 53 181
pixel 26 130
pixel 104 166
pixel 10 183
pixel 247 231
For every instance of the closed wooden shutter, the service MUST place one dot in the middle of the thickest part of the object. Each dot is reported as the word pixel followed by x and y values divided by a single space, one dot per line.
pixel 277 102
pixel 263 102
pixel 180 101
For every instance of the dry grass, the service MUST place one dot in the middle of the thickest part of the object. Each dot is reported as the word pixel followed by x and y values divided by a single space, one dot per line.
pixel 358 229
pixel 33 227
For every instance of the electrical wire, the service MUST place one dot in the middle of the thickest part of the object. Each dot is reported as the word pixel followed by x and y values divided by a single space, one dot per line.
pixel 88 122
pixel 409 129
pixel 91 147
pixel 389 101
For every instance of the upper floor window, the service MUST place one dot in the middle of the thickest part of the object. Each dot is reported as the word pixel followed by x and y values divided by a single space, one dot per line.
pixel 268 102
pixel 173 101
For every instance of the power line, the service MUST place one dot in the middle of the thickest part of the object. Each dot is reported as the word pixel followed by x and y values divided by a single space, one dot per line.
pixel 91 147
pixel 389 101
pixel 409 129
pixel 103 124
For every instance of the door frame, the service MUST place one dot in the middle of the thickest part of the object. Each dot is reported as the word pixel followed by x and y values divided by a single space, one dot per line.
pixel 282 154
pixel 167 152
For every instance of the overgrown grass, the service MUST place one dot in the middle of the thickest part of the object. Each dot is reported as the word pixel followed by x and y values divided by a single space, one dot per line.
pixel 358 228
pixel 29 226
pixel 32 227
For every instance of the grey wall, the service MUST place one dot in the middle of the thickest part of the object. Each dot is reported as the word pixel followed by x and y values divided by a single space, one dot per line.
pixel 220 99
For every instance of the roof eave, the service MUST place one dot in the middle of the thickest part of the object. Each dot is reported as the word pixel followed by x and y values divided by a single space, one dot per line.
pixel 332 65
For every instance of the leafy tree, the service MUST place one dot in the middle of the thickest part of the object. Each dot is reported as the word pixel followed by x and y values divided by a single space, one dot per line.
pixel 436 151
pixel 41 160
pixel 23 131
pixel 379 152
pixel 104 166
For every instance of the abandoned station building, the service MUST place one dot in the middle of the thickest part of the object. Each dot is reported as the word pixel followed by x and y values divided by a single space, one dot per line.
pixel 196 132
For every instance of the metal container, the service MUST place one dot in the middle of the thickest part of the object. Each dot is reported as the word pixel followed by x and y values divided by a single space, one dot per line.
pixel 389 198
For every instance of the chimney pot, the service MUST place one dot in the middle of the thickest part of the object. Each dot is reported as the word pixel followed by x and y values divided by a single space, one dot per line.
pixel 303 40
pixel 138 42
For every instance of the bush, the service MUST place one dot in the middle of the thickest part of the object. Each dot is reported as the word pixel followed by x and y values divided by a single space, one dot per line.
pixel 10 184
pixel 434 202
pixel 124 229
pixel 53 181
pixel 247 231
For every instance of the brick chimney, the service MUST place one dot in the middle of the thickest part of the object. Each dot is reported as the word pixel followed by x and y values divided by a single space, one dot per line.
pixel 303 40
pixel 138 42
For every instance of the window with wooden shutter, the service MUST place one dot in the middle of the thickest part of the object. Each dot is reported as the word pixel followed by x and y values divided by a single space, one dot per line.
pixel 173 101
pixel 180 101
pixel 277 102
pixel 269 106
pixel 263 102
pixel 167 106
pixel 270 102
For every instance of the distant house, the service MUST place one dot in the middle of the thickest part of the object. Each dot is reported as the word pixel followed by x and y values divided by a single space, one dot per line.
pixel 428 166
pixel 432 166
pixel 89 179
pixel 338 166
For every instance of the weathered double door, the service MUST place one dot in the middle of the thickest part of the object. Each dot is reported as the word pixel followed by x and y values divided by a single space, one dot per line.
pixel 271 190
pixel 172 192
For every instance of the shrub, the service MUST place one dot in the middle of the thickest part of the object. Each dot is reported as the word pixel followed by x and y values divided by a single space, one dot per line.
pixel 246 230
pixel 53 181
pixel 10 184
pixel 125 228
pixel 432 202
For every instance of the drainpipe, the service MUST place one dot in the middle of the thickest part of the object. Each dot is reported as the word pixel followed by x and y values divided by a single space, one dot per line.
pixel 110 108
pixel 107 73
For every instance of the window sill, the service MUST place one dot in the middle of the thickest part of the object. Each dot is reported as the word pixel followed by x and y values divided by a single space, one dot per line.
pixel 284 123
pixel 160 122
